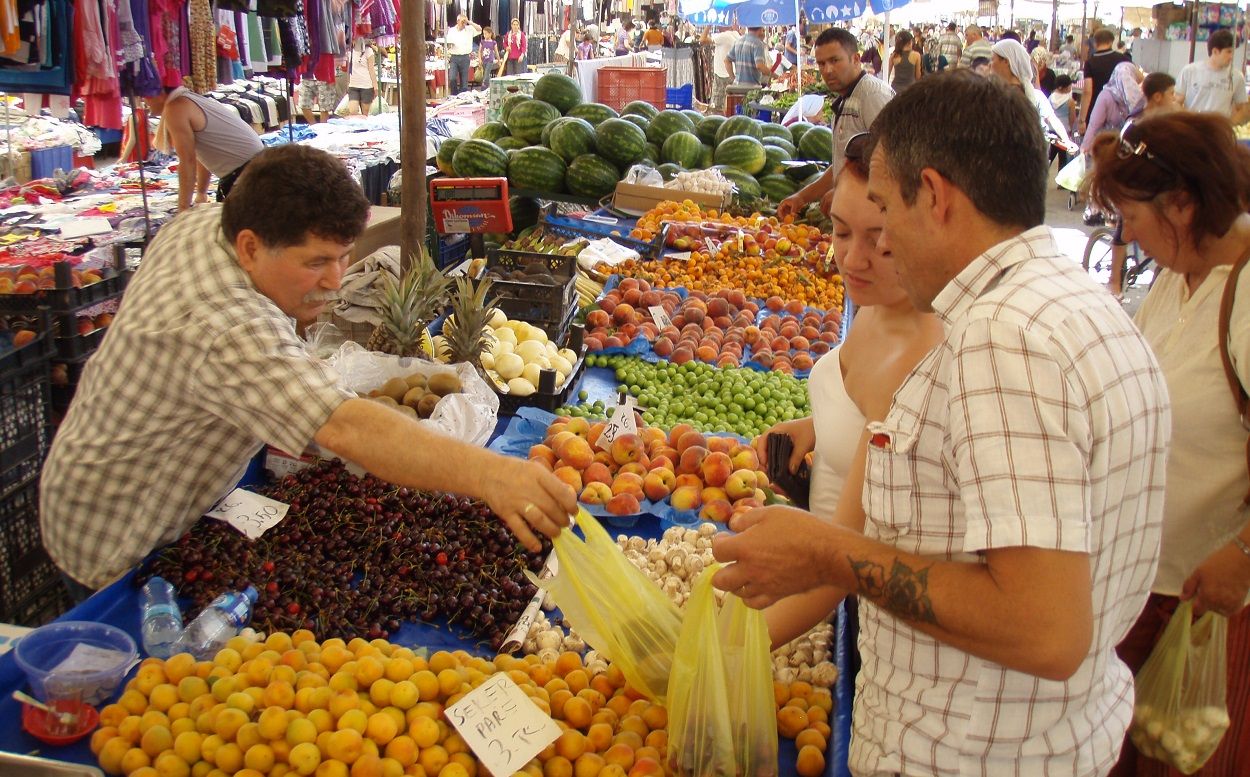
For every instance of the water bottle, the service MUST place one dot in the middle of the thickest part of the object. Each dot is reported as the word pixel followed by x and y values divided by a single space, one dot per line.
pixel 162 620
pixel 214 627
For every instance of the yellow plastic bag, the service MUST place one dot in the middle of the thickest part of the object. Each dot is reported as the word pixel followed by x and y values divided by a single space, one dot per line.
pixel 1181 714
pixel 617 609
pixel 721 714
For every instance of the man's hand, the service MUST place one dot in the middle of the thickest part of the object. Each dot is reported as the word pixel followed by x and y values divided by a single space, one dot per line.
pixel 776 553
pixel 791 206
pixel 1220 582
pixel 526 497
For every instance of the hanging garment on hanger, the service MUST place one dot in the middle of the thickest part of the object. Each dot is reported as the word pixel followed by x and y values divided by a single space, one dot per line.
pixel 256 51
pixel 203 46
pixel 96 69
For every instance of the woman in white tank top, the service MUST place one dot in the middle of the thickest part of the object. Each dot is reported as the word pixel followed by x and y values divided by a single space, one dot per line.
pixel 854 383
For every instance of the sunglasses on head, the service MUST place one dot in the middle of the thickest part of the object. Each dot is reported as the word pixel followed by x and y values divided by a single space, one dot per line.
pixel 856 147
pixel 1131 145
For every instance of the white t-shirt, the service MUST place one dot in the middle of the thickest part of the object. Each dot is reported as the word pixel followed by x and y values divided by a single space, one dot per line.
pixel 460 41
pixel 858 113
pixel 1211 91
pixel 723 42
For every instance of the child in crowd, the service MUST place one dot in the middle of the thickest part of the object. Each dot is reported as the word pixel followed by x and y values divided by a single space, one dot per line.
pixel 1065 108
pixel 586 49
pixel 981 66
pixel 488 52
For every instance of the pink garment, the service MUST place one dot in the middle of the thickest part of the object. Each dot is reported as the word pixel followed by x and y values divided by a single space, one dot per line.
pixel 97 81
pixel 516 44
pixel 165 20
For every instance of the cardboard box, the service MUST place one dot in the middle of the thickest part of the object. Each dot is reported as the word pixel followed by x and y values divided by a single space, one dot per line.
pixel 636 199
pixel 18 168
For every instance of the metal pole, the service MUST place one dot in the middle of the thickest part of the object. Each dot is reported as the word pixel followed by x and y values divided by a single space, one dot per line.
pixel 141 141
pixel 412 148
pixel 887 61
pixel 1054 26
pixel 1193 29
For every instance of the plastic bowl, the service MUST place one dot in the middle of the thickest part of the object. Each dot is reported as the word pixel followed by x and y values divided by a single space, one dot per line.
pixel 40 653
pixel 36 724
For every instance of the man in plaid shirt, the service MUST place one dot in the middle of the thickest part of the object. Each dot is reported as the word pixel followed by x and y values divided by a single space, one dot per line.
pixel 203 365
pixel 950 46
pixel 1013 493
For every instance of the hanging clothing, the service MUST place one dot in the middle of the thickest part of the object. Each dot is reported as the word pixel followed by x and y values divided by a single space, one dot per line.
pixel 203 46
pixel 96 67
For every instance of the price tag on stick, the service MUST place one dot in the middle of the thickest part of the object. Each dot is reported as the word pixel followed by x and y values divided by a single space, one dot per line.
pixel 660 317
pixel 252 514
pixel 499 723
pixel 622 421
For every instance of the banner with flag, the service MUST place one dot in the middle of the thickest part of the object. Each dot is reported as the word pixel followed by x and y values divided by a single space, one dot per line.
pixel 748 13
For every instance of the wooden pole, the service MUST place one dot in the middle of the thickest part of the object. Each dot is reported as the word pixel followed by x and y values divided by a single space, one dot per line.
pixel 1054 26
pixel 412 146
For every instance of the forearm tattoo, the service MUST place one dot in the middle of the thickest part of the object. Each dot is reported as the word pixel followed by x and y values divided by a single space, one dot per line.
pixel 903 591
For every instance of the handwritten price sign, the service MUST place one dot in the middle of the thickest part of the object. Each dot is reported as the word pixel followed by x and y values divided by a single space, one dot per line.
pixel 621 422
pixel 500 724
pixel 252 514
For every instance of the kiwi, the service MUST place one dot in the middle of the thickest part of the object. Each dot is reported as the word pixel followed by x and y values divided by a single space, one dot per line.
pixel 425 408
pixel 444 383
pixel 414 395
pixel 395 388
pixel 408 411
pixel 414 380
pixel 385 400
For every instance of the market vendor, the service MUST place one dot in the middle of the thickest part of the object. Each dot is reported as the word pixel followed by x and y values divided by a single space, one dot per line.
pixel 208 137
pixel 1013 495
pixel 202 366
pixel 859 98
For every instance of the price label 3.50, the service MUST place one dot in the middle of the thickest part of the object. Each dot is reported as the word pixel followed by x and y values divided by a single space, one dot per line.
pixel 252 514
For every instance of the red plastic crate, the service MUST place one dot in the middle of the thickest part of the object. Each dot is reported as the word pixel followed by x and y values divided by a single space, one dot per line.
pixel 619 86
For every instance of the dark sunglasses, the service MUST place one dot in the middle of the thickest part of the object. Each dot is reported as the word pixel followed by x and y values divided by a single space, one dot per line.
pixel 1131 145
pixel 856 147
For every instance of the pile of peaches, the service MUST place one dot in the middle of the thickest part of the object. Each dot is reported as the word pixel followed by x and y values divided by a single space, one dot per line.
pixel 24 279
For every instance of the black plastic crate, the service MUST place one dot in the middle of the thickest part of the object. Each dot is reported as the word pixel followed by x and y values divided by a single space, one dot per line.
pixel 25 411
pixel 550 400
pixel 79 347
pixel 533 301
pixel 64 386
pixel 24 565
pixel 65 297
pixel 45 605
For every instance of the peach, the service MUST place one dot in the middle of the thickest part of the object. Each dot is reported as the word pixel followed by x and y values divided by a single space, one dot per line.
pixel 717 510
pixel 803 361
pixel 626 448
pixel 595 494
pixel 631 297
pixel 716 468
pixel 635 467
pixel 624 504
pixel 741 484
pixel 570 476
pixel 689 479
pixel 598 319
pixel 646 767
pixel 742 505
pixel 692 460
pixel 628 483
pixel 775 303
pixel 674 434
pixel 542 452
pixel 652 435
pixel 624 314
pixel 686 498
pixel 576 452
pixel 597 473
pixel 690 439
pixel 712 493
pixel 721 444
pixel 800 343
pixel 604 458
pixel 706 353
pixel 761 479
pixel 663 462
pixel 578 426
pixel 745 457
pixel 554 441
pixel 596 429
pixel 780 343
pixel 683 355
pixel 666 452
pixel 658 484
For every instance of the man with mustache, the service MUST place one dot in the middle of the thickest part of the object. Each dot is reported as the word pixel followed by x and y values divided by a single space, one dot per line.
pixel 203 365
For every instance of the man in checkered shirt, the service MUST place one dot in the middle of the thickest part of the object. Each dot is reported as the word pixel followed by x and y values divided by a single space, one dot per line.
pixel 1014 491
pixel 203 365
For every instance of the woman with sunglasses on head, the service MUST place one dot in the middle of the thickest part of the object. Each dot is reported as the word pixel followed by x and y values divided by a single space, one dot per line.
pixel 1181 184
pixel 853 384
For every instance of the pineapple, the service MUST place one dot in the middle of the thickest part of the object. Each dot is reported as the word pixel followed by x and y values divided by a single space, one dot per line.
pixel 467 331
pixel 407 306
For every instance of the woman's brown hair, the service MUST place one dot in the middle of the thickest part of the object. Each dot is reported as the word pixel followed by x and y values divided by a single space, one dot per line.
pixel 1193 156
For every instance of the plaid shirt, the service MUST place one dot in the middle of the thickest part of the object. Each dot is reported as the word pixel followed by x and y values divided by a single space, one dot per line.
pixel 197 371
pixel 1041 420
pixel 747 55
pixel 950 46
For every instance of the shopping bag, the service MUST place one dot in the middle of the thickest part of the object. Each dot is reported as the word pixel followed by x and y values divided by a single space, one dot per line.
pixel 1181 715
pixel 747 653
pixel 1073 174
pixel 617 609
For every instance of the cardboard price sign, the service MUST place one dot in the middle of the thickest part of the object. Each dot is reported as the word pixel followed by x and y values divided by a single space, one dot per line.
pixel 621 422
pixel 499 723
pixel 252 514
pixel 660 317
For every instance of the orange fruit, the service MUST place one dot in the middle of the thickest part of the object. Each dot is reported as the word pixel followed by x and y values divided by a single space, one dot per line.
pixel 811 762
pixel 790 721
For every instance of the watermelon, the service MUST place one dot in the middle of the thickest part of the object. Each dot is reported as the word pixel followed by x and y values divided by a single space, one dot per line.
pixel 706 129
pixel 666 123
pixel 492 131
pixel 546 136
pixel 558 90
pixel 445 152
pixel 511 144
pixel 640 122
pixel 668 170
pixel 479 158
pixel 528 119
pixel 620 142
pixel 652 153
pixel 682 148
pixel 510 102
pixel 775 156
pixel 817 143
pixel 748 187
pixel 640 108
pixel 591 175
pixel 595 113
pixel 773 130
pixel 693 115
pixel 782 143
pixel 524 212
pixel 537 168
pixel 571 137
pixel 736 125
pixel 777 187
pixel 742 151
pixel 798 129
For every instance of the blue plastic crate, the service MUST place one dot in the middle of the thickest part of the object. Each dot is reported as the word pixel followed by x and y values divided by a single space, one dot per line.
pixel 46 161
pixel 680 98
pixel 451 250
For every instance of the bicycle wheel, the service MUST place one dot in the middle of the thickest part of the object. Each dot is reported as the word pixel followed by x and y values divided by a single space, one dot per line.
pixel 1098 249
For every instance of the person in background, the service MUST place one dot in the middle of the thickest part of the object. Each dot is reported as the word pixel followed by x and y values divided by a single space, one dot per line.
pixel 1097 71
pixel 1159 91
pixel 1215 86
pixel 791 53
pixel 1032 42
pixel 904 62
pixel 977 45
pixel 951 47
pixel 653 38
pixel 1133 40
pixel 1041 65
pixel 1011 64
pixel 621 39
pixel 1181 183
pixel 208 138
pixel 722 73
pixel 870 56
pixel 586 49
pixel 1013 494
pixel 362 82
pixel 748 59
pixel 1068 47
pixel 516 45
pixel 323 94
pixel 488 53
pixel 857 99
pixel 981 66
pixel 1010 35
pixel 459 40
pixel 1121 98
pixel 1065 109
pixel 564 47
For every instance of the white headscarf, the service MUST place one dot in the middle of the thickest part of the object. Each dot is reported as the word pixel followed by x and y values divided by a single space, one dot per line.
pixel 1017 57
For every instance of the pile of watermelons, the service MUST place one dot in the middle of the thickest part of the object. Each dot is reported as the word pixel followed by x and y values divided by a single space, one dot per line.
pixel 552 141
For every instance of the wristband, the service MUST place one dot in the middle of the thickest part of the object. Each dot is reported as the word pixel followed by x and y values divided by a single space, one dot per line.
pixel 1241 545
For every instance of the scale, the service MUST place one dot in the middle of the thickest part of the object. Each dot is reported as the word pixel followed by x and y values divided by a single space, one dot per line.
pixel 472 206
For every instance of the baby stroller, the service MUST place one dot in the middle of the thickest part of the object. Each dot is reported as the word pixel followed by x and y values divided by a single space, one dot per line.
pixel 1072 176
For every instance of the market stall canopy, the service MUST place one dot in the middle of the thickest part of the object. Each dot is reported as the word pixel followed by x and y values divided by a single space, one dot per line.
pixel 748 13
pixel 827 11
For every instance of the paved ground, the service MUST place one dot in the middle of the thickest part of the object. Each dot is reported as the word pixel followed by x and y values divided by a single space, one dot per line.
pixel 1073 235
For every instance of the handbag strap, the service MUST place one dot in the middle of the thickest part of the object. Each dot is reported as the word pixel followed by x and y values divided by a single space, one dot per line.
pixel 1234 382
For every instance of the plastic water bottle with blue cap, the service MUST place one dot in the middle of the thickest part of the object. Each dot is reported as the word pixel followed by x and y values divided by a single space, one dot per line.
pixel 214 627
pixel 162 620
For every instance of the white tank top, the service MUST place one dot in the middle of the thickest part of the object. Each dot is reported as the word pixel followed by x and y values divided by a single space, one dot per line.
pixel 839 425
pixel 227 142
pixel 359 78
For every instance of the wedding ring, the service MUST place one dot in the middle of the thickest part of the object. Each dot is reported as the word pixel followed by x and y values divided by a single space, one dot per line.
pixel 528 507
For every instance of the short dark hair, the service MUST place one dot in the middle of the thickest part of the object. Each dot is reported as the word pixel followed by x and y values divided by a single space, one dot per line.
pixel 1220 39
pixel 1104 36
pixel 1156 83
pixel 1011 35
pixel 1063 81
pixel 288 192
pixel 1069 39
pixel 979 61
pixel 842 37
pixel 950 27
pixel 996 122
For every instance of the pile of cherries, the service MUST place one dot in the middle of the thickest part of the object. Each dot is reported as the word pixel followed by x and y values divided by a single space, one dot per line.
pixel 357 556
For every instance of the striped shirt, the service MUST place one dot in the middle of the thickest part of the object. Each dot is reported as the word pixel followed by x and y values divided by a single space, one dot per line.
pixel 747 55
pixel 197 371
pixel 951 47
pixel 1041 420
pixel 981 48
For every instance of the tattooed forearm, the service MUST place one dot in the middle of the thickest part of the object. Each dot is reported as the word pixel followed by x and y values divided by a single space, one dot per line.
pixel 903 591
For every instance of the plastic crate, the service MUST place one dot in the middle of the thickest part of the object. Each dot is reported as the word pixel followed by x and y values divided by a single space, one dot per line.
pixel 24 565
pixel 25 411
pixel 45 605
pixel 595 230
pixel 550 400
pixel 502 86
pixel 451 250
pixel 681 98
pixel 64 297
pixel 538 302
pixel 45 162
pixel 620 86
